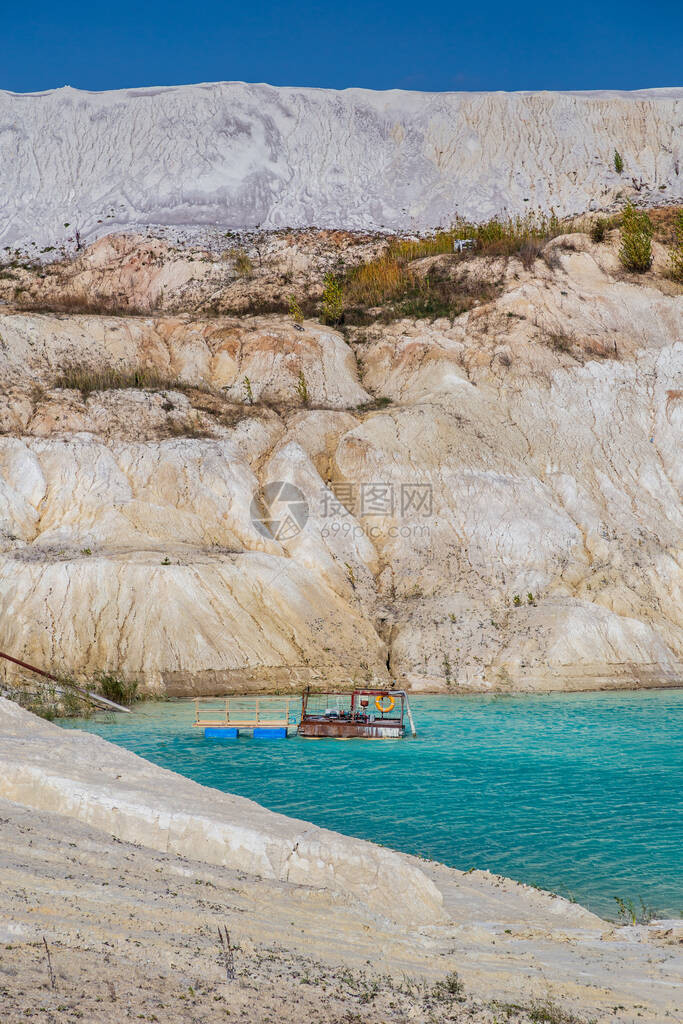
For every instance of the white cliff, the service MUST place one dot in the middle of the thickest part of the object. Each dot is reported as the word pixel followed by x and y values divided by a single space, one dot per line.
pixel 232 155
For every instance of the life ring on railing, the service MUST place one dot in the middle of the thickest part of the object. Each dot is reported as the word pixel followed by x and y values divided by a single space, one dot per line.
pixel 381 707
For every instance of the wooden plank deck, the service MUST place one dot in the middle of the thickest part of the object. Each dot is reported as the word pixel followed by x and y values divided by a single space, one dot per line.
pixel 246 712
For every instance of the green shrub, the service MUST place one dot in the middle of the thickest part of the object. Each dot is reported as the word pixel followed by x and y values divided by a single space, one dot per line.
pixel 618 161
pixel 636 240
pixel 676 250
pixel 302 388
pixel 549 1012
pixel 449 988
pixel 333 300
pixel 599 230
pixel 247 391
pixel 295 311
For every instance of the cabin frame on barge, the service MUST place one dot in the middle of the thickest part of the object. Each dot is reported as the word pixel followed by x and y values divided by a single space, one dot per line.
pixel 366 713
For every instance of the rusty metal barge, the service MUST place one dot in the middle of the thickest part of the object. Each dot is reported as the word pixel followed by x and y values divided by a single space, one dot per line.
pixel 369 714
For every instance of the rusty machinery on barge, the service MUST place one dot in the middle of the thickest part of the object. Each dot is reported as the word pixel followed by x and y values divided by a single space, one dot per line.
pixel 365 713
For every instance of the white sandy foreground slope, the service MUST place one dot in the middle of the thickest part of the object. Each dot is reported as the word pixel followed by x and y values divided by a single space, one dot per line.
pixel 239 155
pixel 141 913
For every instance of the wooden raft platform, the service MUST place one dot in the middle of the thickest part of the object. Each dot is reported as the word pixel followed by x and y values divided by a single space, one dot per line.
pixel 268 717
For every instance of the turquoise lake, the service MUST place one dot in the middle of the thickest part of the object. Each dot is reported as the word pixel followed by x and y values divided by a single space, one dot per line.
pixel 576 793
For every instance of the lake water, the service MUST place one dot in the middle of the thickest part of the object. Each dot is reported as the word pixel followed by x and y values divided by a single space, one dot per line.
pixel 576 793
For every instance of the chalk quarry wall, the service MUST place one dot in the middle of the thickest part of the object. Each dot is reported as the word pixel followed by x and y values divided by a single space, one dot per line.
pixel 238 155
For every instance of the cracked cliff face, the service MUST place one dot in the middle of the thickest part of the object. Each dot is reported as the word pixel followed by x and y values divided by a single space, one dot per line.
pixel 493 502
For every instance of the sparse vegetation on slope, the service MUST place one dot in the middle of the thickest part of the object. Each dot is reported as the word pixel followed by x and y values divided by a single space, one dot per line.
pixel 119 690
pixel 499 236
pixel 243 265
pixel 77 302
pixel 599 230
pixel 79 377
pixel 636 240
pixel 48 700
pixel 664 222
pixel 333 301
pixel 393 290
pixel 676 250
pixel 394 284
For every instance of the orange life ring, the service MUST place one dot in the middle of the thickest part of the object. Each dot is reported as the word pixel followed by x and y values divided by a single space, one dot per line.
pixel 381 707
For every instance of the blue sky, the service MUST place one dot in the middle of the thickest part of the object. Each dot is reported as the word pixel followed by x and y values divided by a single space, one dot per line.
pixel 440 45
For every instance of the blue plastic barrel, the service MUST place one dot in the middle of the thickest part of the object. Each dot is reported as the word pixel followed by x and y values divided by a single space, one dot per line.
pixel 262 733
pixel 220 733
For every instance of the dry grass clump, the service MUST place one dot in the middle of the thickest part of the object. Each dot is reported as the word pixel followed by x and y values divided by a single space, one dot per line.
pixel 546 1011
pixel 392 283
pixel 88 381
pixel 499 236
pixel 665 220
pixel 513 235
pixel 676 249
pixel 243 265
pixel 253 305
pixel 79 303
pixel 396 290
pixel 188 426
pixel 559 341
pixel 219 408
pixel 550 1012
pixel 83 378
pixel 380 281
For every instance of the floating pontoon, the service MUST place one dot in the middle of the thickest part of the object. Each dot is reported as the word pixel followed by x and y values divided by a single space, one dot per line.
pixel 267 718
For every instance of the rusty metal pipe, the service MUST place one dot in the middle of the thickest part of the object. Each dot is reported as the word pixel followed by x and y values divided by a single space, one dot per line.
pixel 94 697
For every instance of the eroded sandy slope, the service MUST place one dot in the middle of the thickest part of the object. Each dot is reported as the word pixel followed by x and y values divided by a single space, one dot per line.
pixel 493 502
pixel 132 921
